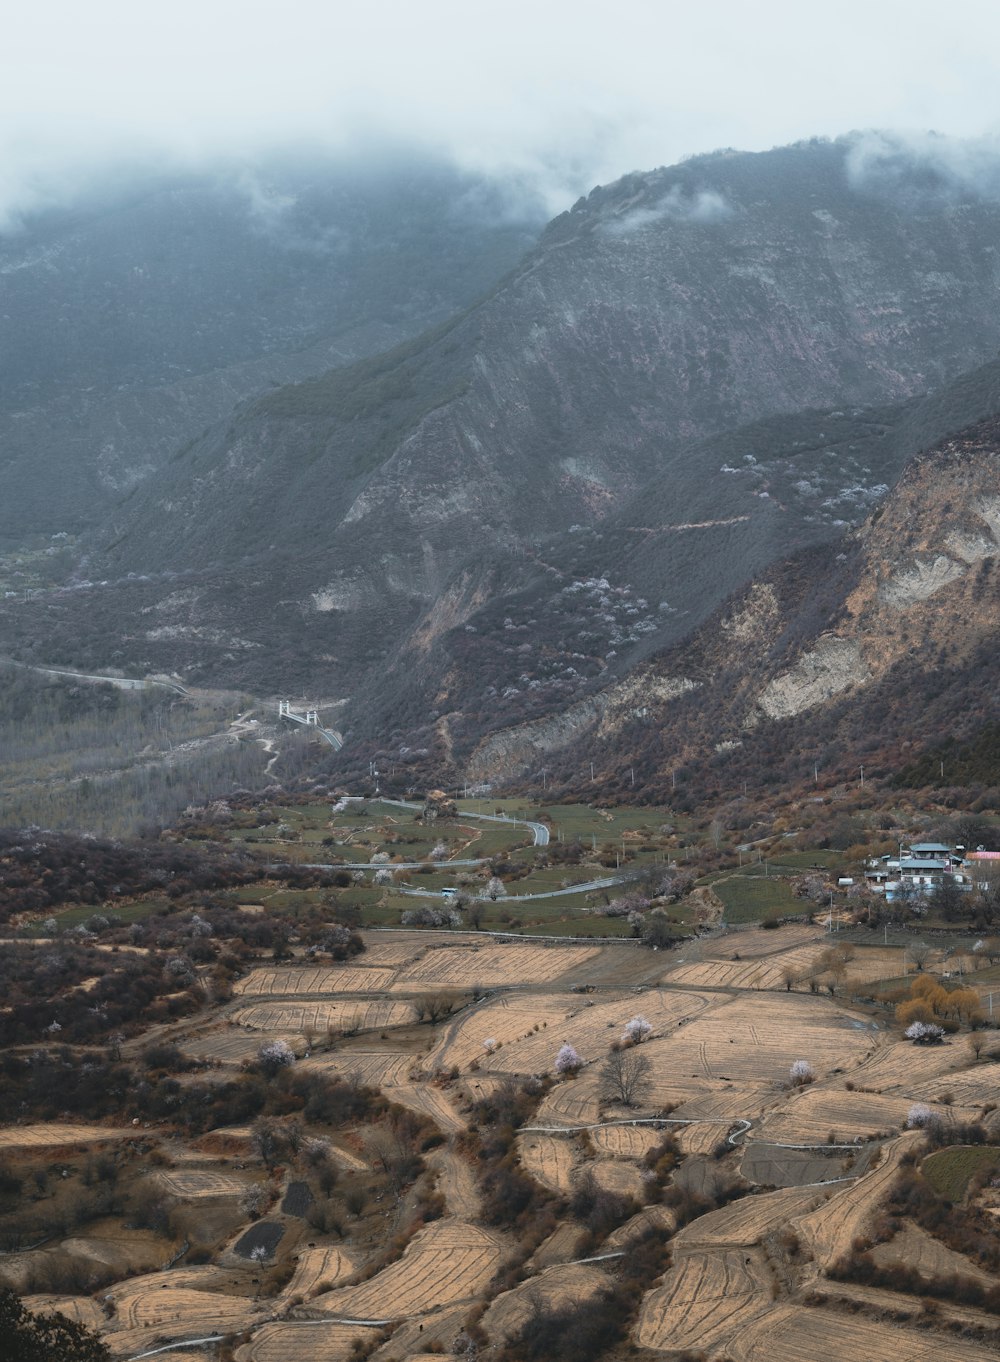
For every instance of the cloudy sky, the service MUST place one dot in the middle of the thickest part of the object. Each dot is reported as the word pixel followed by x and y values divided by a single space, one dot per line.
pixel 565 92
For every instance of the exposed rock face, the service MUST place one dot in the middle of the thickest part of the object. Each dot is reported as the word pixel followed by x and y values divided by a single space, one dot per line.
pixel 887 643
pixel 496 521
pixel 833 666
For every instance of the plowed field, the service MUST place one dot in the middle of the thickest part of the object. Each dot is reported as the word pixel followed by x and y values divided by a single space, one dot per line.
pixel 360 1014
pixel 627 1142
pixel 762 973
pixel 592 1029
pixel 809 1115
pixel 505 1020
pixel 318 1267
pixel 704 1299
pixel 552 1289
pixel 292 1341
pixel 550 1159
pixel 427 1100
pixel 56 1133
pixel 445 1263
pixel 469 966
pixel 82 1309
pixel 347 979
pixel 623 1179
pixel 794 1334
pixel 831 1229
pixel 192 1184
pixel 747 1220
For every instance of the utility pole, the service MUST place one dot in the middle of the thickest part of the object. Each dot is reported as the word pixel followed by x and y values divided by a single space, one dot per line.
pixel 591 773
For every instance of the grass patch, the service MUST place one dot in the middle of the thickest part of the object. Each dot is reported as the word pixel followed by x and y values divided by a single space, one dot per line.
pixel 949 1171
pixel 756 900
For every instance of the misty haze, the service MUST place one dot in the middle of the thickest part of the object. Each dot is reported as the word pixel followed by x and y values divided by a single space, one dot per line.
pixel 499 728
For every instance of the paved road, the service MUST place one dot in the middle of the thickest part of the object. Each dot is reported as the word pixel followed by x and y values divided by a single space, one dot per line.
pixel 540 831
pixel 528 898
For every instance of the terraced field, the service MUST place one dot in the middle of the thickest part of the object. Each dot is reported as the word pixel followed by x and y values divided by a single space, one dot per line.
pixel 810 1115
pixel 491 966
pixel 553 1288
pixel 593 1027
pixel 445 1263
pixel 794 1334
pixel 339 1014
pixel 504 1020
pixel 295 1340
pixel 319 1268
pixel 704 1300
pixel 550 1159
pixel 830 1229
pixel 193 1184
pixel 292 980
pixel 55 1134
pixel 748 1220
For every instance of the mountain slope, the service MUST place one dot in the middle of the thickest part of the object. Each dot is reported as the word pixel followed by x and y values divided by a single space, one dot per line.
pixel 137 319
pixel 588 416
pixel 864 651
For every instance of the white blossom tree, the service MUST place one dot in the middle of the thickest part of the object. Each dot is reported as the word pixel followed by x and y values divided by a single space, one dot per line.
pixel 919 1116
pixel 801 1073
pixel 637 1030
pixel 275 1055
pixel 568 1061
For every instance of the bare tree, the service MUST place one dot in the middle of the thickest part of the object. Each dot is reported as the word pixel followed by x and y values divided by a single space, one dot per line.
pixel 625 1076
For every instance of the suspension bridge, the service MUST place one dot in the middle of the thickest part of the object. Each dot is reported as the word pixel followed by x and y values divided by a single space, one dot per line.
pixel 310 719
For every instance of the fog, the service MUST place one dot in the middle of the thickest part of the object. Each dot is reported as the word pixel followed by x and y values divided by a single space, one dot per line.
pixel 556 95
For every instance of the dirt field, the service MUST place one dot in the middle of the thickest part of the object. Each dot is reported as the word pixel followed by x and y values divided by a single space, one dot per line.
pixel 193 1184
pixel 293 980
pixel 810 1114
pixel 915 1248
pixel 794 1334
pixel 756 942
pixel 294 1340
pixel 592 1027
pixel 550 1159
pixel 427 1100
pixel 704 1299
pixel 456 1183
pixel 57 1134
pixel 773 1166
pixel 551 1289
pixel 831 1229
pixel 623 1179
pixel 445 1263
pixel 491 966
pixel 505 1020
pixel 748 1220
pixel 288 1018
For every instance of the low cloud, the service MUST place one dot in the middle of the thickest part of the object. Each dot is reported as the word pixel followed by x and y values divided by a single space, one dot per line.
pixel 925 164
pixel 704 206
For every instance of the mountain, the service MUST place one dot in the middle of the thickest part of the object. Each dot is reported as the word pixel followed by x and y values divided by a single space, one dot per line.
pixel 136 318
pixel 869 651
pixel 695 371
